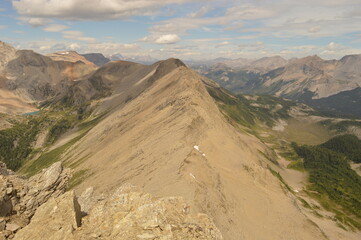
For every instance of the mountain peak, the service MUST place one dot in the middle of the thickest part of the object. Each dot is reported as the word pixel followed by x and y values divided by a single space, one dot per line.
pixel 313 58
pixel 172 62
pixel 4 45
pixel 166 66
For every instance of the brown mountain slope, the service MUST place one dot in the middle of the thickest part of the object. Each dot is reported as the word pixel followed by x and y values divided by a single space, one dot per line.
pixel 172 140
pixel 9 101
pixel 27 77
pixel 120 81
pixel 70 56
pixel 266 64
pixel 261 65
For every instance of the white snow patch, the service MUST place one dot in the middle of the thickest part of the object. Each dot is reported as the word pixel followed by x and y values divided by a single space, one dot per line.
pixel 64 53
pixel 196 147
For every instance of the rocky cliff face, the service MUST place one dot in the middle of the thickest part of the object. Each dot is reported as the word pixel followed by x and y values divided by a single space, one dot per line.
pixel 39 208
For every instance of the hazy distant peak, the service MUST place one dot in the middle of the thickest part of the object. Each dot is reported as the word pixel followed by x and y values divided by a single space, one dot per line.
pixel 312 58
pixel 97 58
pixel 353 57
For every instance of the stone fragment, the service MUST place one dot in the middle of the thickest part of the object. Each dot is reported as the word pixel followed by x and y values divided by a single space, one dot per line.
pixel 12 227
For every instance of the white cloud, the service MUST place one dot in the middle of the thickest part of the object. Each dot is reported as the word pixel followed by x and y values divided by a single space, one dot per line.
pixel 107 48
pixel 335 50
pixel 251 12
pixel 112 48
pixel 90 9
pixel 255 46
pixel 314 29
pixel 232 19
pixel 55 28
pixel 168 39
pixel 77 35
pixel 222 44
pixel 3 26
pixel 201 12
pixel 2 9
pixel 34 21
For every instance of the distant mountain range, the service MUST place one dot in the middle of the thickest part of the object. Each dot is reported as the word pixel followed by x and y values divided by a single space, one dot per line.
pixel 331 86
pixel 261 65
pixel 145 59
pixel 311 80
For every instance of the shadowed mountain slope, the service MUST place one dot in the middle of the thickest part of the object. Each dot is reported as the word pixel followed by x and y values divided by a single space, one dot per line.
pixel 96 58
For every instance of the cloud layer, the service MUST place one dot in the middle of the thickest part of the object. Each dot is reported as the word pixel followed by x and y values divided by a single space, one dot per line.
pixel 89 9
pixel 196 28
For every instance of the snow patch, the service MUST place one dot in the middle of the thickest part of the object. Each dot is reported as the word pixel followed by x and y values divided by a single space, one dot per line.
pixel 196 147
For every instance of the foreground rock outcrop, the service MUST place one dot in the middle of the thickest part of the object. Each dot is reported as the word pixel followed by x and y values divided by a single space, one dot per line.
pixel 20 197
pixel 126 214
pixel 39 208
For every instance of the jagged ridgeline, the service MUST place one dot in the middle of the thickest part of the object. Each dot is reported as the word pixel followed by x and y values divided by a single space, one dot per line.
pixel 170 131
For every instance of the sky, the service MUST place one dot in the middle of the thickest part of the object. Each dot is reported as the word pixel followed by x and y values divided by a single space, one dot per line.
pixel 185 29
